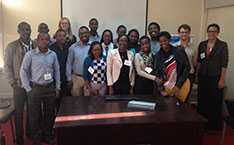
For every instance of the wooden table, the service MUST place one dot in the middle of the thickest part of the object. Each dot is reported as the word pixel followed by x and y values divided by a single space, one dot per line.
pixel 94 120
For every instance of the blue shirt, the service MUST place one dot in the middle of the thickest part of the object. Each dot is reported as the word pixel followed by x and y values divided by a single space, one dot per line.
pixel 106 49
pixel 155 46
pixel 35 65
pixel 94 38
pixel 75 60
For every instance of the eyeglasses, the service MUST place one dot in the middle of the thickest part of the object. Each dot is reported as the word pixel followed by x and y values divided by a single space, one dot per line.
pixel 184 32
pixel 210 31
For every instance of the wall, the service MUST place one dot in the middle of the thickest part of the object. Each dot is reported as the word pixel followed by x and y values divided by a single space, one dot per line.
pixel 170 14
pixel 109 17
pixel 1 35
pixel 225 18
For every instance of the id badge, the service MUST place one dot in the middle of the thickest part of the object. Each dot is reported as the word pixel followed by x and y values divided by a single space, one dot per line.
pixel 148 69
pixel 91 70
pixel 127 63
pixel 202 55
pixel 47 76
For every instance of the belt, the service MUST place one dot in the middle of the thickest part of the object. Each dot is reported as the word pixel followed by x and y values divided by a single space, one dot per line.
pixel 78 75
pixel 42 85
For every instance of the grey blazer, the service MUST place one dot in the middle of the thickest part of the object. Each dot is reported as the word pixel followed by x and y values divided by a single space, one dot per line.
pixel 13 58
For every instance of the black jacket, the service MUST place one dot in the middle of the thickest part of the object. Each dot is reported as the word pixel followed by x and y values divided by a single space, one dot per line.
pixel 212 65
pixel 182 62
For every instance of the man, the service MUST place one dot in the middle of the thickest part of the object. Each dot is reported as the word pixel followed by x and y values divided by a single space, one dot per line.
pixel 43 28
pixel 61 51
pixel 76 56
pixel 41 79
pixel 154 29
pixel 93 25
pixel 14 54
pixel 121 30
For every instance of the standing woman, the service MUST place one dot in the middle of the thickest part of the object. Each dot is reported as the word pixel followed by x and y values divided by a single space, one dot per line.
pixel 212 67
pixel 144 66
pixel 120 72
pixel 134 46
pixel 171 65
pixel 95 71
pixel 107 42
pixel 65 25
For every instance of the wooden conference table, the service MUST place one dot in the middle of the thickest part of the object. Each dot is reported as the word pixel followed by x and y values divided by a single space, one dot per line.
pixel 108 121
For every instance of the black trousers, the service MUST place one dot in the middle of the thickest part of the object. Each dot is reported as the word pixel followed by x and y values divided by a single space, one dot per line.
pixel 63 93
pixel 20 99
pixel 210 101
pixel 122 87
pixel 143 86
pixel 192 80
pixel 41 109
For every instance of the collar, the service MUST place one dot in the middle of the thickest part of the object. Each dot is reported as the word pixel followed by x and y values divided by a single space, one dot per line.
pixel 179 43
pixel 109 46
pixel 87 44
pixel 37 51
pixel 25 45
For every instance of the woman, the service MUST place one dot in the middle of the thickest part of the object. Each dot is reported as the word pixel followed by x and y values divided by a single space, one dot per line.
pixel 133 35
pixel 107 42
pixel 120 73
pixel 144 67
pixel 212 66
pixel 65 25
pixel 95 71
pixel 171 66
pixel 121 30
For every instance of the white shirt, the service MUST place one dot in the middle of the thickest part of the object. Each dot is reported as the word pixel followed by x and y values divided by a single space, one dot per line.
pixel 190 53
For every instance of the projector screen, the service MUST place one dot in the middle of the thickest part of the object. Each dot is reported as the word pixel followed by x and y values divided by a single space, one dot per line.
pixel 110 14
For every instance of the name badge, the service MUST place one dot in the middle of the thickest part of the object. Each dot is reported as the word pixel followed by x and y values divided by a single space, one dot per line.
pixel 148 69
pixel 202 55
pixel 47 76
pixel 104 53
pixel 91 70
pixel 127 63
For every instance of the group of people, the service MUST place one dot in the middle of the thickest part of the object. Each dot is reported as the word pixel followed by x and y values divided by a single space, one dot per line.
pixel 44 70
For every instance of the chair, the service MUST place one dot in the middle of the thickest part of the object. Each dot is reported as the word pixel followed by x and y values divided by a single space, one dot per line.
pixel 6 111
pixel 228 120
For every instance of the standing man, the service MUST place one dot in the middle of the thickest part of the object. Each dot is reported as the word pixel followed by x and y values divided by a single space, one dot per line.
pixel 154 29
pixel 41 79
pixel 61 51
pixel 93 25
pixel 76 56
pixel 14 54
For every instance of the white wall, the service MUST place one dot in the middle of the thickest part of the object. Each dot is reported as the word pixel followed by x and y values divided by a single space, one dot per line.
pixel 110 13
pixel 1 35
pixel 218 3
pixel 172 13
